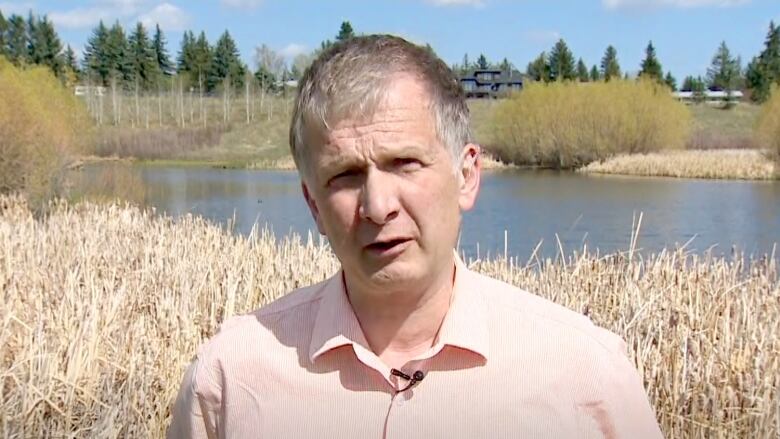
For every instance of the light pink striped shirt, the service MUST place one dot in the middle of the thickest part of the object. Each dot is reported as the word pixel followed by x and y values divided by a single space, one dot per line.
pixel 505 363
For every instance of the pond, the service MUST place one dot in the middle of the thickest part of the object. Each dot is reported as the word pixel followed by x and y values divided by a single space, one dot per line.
pixel 516 210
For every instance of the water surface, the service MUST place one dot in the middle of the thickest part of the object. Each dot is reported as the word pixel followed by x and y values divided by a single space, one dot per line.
pixel 525 207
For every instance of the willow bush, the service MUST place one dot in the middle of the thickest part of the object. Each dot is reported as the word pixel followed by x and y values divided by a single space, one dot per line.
pixel 41 124
pixel 768 125
pixel 567 125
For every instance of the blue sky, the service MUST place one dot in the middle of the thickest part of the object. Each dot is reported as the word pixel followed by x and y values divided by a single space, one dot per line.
pixel 684 32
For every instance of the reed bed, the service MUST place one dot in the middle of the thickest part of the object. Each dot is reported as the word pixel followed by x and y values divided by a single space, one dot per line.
pixel 725 164
pixel 104 306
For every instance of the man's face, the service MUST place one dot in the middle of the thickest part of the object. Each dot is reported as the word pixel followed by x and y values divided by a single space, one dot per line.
pixel 383 190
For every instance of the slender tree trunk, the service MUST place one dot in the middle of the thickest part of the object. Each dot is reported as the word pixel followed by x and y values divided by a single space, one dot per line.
pixel 137 105
pixel 246 80
pixel 159 103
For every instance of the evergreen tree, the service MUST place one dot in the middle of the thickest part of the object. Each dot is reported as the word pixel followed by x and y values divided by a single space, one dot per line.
pixel 651 67
pixel 119 56
pixel 582 71
pixel 96 61
pixel 670 81
pixel 345 32
pixel 561 62
pixel 142 58
pixel 764 69
pixel 539 69
pixel 204 55
pixel 482 62
pixel 610 68
pixel 226 63
pixel 185 60
pixel 594 73
pixel 506 67
pixel 16 40
pixel 70 61
pixel 3 31
pixel 466 66
pixel 724 72
pixel 161 52
pixel 44 44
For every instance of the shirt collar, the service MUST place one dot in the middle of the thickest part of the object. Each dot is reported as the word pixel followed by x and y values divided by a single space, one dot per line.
pixel 465 325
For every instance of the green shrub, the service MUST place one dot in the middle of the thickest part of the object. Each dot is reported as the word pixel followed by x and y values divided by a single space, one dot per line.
pixel 768 125
pixel 567 124
pixel 41 124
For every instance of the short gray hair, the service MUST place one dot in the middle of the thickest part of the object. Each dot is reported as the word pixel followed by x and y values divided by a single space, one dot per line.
pixel 352 76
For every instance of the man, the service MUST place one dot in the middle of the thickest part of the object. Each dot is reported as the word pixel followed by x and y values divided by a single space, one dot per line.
pixel 404 341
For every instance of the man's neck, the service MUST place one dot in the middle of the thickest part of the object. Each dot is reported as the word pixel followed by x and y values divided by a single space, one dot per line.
pixel 402 324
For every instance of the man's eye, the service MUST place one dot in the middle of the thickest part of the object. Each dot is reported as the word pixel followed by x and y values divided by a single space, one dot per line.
pixel 344 175
pixel 408 163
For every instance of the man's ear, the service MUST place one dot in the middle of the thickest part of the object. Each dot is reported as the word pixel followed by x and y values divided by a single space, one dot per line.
pixel 315 212
pixel 469 176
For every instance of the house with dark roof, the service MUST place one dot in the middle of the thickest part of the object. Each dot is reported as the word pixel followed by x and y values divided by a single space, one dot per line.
pixel 490 83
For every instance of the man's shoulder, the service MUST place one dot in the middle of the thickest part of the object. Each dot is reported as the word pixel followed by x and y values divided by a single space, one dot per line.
pixel 523 308
pixel 285 322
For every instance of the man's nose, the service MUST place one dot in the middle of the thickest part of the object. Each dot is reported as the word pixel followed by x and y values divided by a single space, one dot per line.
pixel 379 198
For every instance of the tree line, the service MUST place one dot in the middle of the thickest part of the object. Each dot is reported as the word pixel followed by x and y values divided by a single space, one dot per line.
pixel 140 61
pixel 724 74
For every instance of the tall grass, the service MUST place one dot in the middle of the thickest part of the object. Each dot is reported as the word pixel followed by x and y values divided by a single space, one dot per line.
pixel 738 164
pixel 768 126
pixel 566 124
pixel 104 306
pixel 41 125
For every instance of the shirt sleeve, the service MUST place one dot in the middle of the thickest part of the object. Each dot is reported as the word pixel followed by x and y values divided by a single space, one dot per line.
pixel 195 413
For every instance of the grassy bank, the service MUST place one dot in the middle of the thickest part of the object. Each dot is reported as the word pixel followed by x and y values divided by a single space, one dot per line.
pixel 105 305
pixel 747 164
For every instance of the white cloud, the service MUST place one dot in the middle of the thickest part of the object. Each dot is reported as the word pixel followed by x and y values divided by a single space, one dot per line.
pixel 17 8
pixel 633 4
pixel 168 16
pixel 148 12
pixel 292 50
pixel 242 4
pixel 475 3
pixel 81 17
pixel 540 36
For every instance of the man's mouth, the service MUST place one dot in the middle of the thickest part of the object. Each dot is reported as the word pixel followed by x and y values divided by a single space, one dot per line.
pixel 387 245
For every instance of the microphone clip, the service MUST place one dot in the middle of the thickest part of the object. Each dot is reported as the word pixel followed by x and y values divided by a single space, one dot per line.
pixel 414 379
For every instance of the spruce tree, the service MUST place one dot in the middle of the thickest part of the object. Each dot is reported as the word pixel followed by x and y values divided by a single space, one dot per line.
pixel 3 31
pixel 670 81
pixel 466 66
pixel 723 73
pixel 764 69
pixel 186 57
pixel 226 63
pixel 539 68
pixel 96 60
pixel 506 67
pixel 582 71
pixel 482 62
pixel 119 57
pixel 202 56
pixel 610 68
pixel 161 52
pixel 44 44
pixel 70 61
pixel 16 40
pixel 345 32
pixel 561 62
pixel 594 73
pixel 651 67
pixel 142 59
